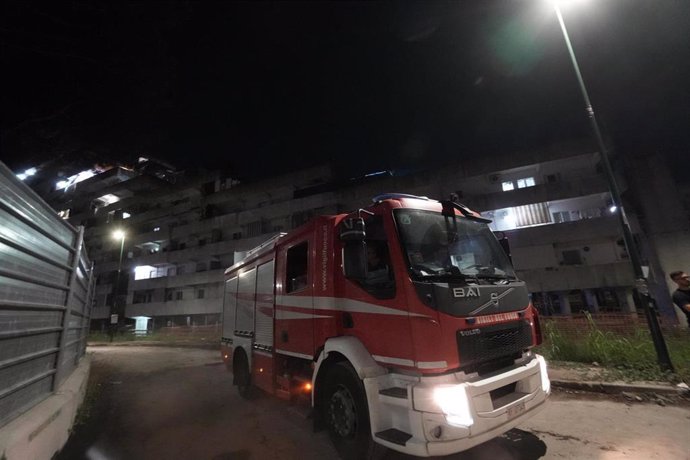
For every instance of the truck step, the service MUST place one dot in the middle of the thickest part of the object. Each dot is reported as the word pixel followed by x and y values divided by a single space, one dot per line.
pixel 394 392
pixel 395 436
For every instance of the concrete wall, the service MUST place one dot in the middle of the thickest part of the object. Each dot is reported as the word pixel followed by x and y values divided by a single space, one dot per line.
pixel 42 431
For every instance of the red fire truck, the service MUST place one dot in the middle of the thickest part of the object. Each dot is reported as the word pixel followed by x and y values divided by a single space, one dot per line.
pixel 402 323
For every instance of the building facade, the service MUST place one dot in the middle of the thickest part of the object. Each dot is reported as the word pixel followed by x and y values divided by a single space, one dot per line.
pixel 182 231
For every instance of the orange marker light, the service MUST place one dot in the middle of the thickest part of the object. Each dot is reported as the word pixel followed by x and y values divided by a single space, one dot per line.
pixel 307 387
pixel 261 369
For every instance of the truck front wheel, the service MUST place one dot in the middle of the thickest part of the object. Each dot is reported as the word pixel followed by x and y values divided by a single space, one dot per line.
pixel 345 413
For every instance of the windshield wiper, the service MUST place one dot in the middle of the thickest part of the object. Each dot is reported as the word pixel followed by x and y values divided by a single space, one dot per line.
pixel 441 274
pixel 486 276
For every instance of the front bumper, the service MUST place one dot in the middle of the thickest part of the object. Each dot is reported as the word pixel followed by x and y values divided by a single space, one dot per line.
pixel 495 404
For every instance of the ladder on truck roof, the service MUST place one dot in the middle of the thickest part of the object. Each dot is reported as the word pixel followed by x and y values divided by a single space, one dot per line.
pixel 270 242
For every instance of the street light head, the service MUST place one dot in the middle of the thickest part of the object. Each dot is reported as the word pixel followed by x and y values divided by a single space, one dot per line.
pixel 568 2
pixel 565 4
pixel 119 234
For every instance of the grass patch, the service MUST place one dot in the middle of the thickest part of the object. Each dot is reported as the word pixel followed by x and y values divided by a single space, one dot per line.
pixel 624 357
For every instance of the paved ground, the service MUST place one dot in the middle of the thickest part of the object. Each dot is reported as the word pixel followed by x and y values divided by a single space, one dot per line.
pixel 179 403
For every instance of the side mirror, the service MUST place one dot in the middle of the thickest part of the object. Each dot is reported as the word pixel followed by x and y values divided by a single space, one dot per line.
pixel 353 229
pixel 355 260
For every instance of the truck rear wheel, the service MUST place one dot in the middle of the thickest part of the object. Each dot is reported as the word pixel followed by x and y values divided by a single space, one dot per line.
pixel 345 413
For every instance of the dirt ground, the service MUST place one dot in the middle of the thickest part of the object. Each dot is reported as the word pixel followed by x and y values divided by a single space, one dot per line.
pixel 179 403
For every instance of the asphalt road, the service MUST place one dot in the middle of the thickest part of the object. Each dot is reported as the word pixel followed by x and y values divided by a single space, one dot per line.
pixel 179 403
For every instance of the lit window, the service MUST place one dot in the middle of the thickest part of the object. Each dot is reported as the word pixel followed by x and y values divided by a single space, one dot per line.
pixel 156 229
pixel 526 182
pixel 126 215
pixel 108 199
pixel 507 186
pixel 64 184
pixel 143 272
pixel 27 173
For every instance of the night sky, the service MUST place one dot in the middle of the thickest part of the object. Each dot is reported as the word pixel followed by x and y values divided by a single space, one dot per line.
pixel 257 88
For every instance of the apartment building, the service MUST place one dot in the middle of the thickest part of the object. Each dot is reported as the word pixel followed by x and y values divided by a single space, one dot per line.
pixel 183 230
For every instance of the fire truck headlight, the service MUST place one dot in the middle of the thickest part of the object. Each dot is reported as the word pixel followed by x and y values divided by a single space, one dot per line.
pixel 545 382
pixel 454 403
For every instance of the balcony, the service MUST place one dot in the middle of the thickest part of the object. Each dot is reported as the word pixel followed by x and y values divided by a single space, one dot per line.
pixel 564 232
pixel 538 194
pixel 177 307
pixel 569 277
pixel 185 279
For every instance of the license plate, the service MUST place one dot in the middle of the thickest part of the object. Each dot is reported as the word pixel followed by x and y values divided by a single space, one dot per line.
pixel 516 410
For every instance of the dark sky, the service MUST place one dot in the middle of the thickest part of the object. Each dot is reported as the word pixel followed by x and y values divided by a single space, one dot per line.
pixel 257 88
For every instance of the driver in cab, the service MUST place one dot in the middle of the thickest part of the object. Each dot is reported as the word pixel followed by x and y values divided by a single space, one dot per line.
pixel 377 269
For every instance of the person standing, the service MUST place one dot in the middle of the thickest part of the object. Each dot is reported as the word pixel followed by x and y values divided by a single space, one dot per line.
pixel 681 296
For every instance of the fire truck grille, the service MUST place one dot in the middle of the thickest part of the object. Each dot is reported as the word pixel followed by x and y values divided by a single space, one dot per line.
pixel 492 344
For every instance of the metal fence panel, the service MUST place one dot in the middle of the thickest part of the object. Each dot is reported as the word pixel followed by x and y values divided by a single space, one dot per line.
pixel 46 296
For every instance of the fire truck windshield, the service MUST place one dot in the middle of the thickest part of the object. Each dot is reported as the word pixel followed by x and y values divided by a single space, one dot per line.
pixel 450 246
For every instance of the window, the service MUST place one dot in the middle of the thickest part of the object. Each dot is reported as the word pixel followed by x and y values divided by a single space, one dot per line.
pixel 178 295
pixel 201 267
pixel 572 257
pixel 525 182
pixel 200 294
pixel 169 295
pixel 254 228
pixel 141 297
pixel 142 272
pixel 300 218
pixel 214 265
pixel 521 183
pixel 561 216
pixel 379 281
pixel 297 267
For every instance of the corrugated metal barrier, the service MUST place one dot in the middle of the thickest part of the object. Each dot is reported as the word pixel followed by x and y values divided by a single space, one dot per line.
pixel 46 293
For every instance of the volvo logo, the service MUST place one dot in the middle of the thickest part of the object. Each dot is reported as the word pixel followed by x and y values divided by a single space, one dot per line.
pixel 469 332
pixel 494 297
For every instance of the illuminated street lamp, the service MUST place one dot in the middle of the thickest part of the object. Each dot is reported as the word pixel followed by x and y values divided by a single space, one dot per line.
pixel 120 235
pixel 114 312
pixel 641 294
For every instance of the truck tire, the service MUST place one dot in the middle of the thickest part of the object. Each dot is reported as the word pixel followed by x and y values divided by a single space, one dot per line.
pixel 345 413
pixel 242 376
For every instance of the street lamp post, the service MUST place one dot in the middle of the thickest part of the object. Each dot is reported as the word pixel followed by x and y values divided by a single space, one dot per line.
pixel 641 294
pixel 114 307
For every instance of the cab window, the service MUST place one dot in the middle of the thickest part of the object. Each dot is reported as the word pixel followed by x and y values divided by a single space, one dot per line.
pixel 297 267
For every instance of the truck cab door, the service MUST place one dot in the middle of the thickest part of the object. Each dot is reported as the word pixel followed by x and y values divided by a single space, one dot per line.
pixel 295 299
